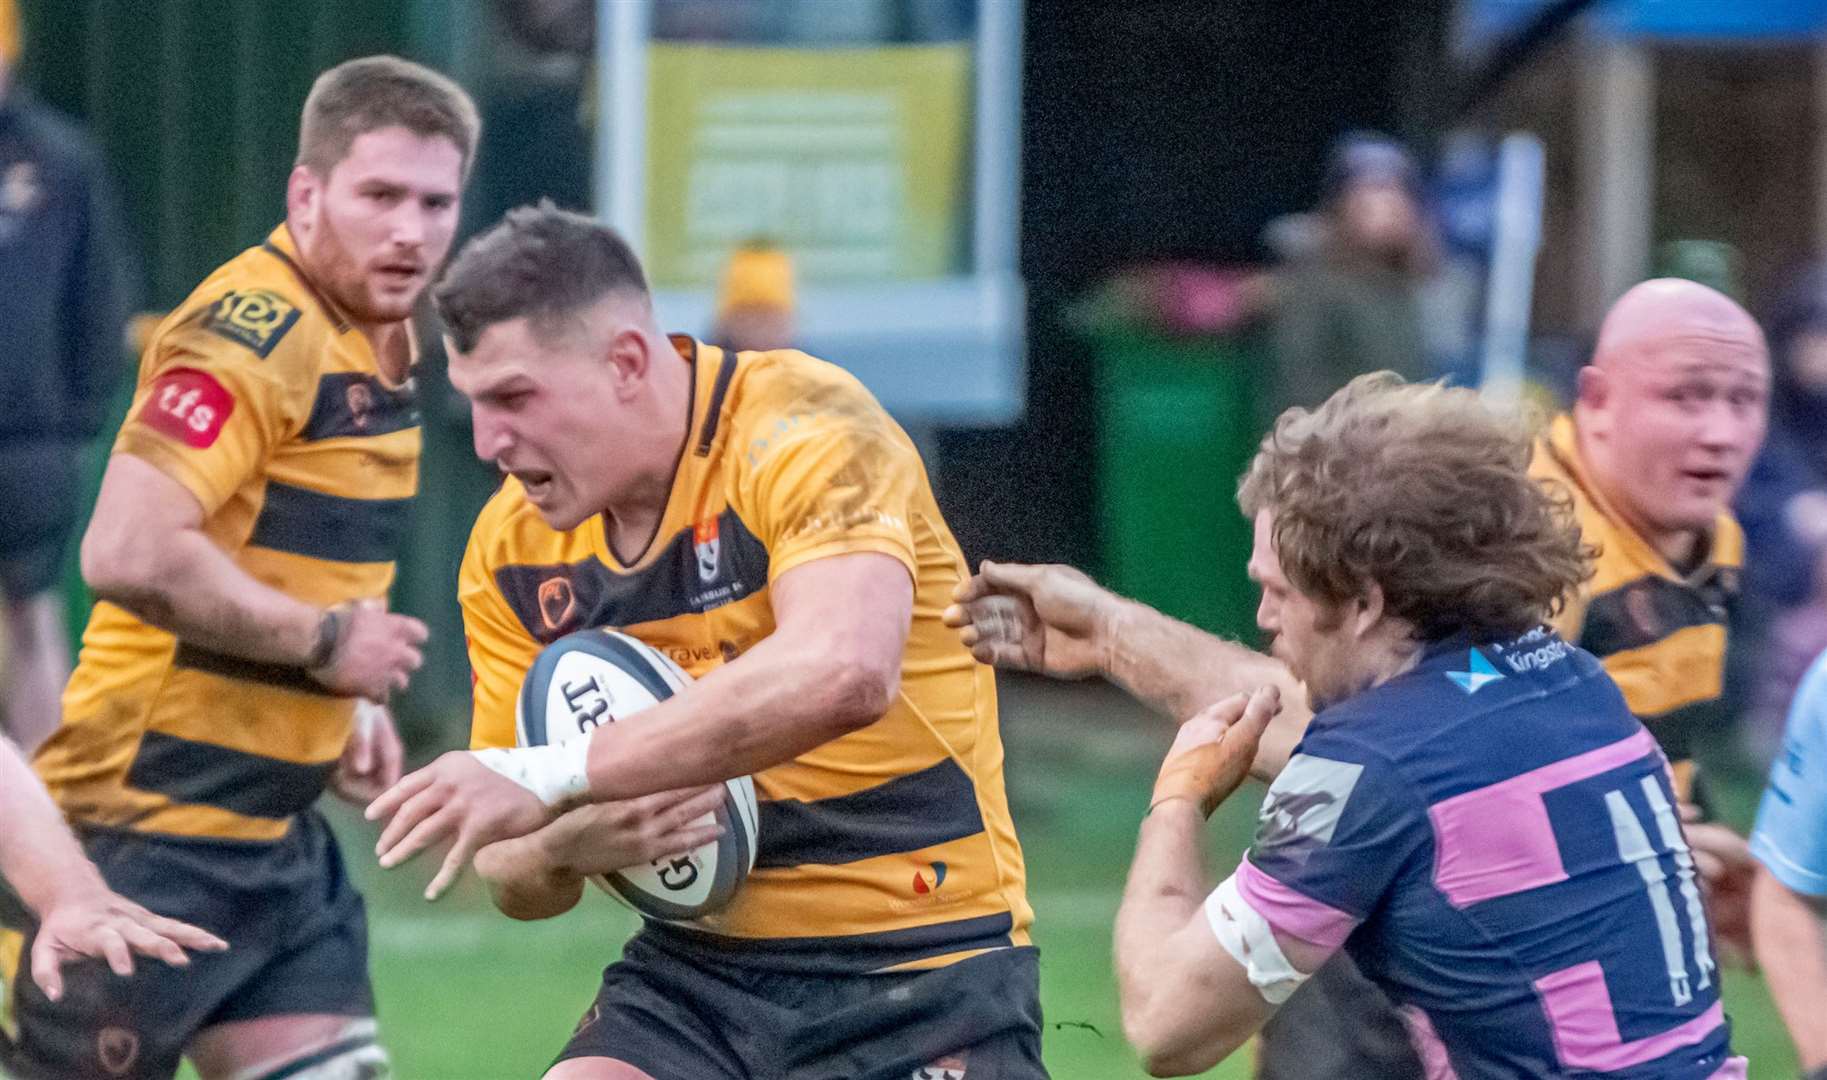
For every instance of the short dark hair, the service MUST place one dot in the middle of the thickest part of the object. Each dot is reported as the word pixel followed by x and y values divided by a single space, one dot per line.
pixel 375 92
pixel 538 262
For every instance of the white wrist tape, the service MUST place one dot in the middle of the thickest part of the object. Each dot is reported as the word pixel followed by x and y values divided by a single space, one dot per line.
pixel 556 775
pixel 1250 940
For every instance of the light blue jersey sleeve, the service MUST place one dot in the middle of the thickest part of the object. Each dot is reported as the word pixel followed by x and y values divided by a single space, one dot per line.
pixel 1791 834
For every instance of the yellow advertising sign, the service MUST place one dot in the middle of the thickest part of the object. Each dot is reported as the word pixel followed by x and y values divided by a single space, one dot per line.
pixel 853 160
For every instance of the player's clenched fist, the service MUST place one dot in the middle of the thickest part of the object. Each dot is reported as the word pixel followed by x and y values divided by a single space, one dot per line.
pixel 1212 753
pixel 367 651
pixel 1050 619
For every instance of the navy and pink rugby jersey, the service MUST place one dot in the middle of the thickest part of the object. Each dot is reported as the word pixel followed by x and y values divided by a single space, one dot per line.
pixel 1493 837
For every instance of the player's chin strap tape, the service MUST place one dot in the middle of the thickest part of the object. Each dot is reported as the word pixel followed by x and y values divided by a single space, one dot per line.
pixel 556 775
pixel 354 1055
pixel 1250 940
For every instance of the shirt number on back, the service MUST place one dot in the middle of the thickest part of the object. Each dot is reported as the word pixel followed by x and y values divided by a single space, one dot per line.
pixel 1634 848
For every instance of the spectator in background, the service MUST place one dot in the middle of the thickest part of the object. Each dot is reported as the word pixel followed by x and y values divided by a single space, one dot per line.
pixel 63 306
pixel 755 305
pixel 1784 510
pixel 1347 300
pixel 1789 898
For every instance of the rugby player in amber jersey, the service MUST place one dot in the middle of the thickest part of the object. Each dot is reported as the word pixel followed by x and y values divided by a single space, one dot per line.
pixel 761 519
pixel 242 547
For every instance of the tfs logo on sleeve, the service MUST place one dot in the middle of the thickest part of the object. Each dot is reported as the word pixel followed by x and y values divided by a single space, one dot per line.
pixel 188 405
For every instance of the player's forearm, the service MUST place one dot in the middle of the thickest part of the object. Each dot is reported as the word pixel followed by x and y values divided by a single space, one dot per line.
pixel 1166 886
pixel 1179 669
pixel 775 702
pixel 1790 939
pixel 1170 1015
pixel 39 857
pixel 183 583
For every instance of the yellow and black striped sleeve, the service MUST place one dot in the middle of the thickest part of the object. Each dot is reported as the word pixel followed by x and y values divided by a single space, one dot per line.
pixel 208 412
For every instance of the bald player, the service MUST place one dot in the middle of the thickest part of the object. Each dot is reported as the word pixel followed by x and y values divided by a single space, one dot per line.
pixel 1669 415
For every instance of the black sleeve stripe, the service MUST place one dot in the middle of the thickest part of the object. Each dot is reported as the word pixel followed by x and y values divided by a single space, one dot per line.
pixel 282 676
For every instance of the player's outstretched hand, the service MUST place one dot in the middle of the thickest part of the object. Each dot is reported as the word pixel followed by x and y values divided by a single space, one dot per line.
pixel 1050 619
pixel 371 761
pixel 98 922
pixel 606 837
pixel 376 653
pixel 457 799
pixel 1212 753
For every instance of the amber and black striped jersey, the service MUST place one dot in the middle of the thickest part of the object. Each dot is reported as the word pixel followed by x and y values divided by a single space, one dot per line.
pixel 890 846
pixel 1661 634
pixel 262 400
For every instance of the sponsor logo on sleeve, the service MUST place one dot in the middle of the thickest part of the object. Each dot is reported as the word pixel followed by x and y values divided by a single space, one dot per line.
pixel 1303 806
pixel 256 318
pixel 188 405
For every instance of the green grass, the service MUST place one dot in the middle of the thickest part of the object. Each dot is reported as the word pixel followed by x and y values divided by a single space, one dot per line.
pixel 467 995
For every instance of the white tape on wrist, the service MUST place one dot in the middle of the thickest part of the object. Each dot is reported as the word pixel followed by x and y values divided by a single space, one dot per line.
pixel 1250 940
pixel 556 775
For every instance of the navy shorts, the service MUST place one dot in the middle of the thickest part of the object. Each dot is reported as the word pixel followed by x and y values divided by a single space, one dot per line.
pixel 679 1016
pixel 1340 1026
pixel 298 943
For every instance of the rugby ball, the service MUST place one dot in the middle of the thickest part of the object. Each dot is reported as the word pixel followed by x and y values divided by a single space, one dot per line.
pixel 595 677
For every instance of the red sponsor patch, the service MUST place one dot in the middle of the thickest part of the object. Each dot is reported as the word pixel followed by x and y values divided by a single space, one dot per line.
pixel 188 405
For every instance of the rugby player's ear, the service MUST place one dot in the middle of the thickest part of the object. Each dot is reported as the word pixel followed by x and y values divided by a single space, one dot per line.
pixel 629 359
pixel 1592 387
pixel 302 190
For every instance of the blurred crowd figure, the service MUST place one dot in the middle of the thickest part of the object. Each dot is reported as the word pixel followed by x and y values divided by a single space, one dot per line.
pixel 1347 298
pixel 64 288
pixel 1784 510
pixel 755 303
